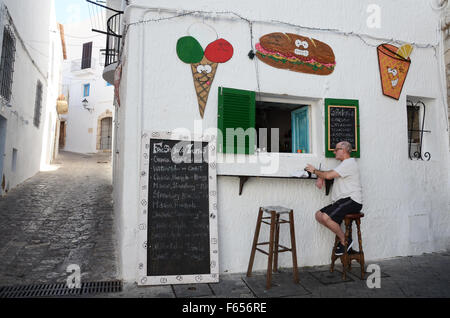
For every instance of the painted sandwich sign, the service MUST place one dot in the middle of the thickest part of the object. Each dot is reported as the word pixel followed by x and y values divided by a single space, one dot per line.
pixel 296 53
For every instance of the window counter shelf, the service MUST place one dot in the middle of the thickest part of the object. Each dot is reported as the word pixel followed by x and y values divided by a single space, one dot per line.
pixel 243 179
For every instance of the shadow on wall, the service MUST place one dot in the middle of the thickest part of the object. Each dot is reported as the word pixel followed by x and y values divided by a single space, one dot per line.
pixel 4 187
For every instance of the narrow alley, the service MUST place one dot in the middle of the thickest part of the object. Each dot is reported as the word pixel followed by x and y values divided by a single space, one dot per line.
pixel 58 218
pixel 224 149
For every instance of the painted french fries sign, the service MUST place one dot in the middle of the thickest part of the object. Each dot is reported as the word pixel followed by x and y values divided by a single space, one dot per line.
pixel 394 65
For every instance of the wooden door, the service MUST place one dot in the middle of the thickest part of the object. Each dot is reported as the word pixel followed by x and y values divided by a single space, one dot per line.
pixel 106 133
pixel 62 135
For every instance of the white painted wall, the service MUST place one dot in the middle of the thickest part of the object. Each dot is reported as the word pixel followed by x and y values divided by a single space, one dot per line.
pixel 114 4
pixel 81 124
pixel 446 36
pixel 38 47
pixel 406 202
pixel 55 61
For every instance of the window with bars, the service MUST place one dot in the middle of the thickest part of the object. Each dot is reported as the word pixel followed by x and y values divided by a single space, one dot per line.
pixel 416 121
pixel 7 63
pixel 413 113
pixel 38 105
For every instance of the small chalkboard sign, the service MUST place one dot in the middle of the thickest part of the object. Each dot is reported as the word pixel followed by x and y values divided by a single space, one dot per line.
pixel 341 124
pixel 178 210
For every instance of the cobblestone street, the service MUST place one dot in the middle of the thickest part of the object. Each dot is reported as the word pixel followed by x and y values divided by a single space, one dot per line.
pixel 58 218
pixel 65 216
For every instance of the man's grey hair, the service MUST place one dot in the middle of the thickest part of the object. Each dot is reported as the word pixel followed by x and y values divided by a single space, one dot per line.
pixel 347 146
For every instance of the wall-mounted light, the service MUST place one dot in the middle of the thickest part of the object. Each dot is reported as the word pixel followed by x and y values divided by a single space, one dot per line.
pixel 86 105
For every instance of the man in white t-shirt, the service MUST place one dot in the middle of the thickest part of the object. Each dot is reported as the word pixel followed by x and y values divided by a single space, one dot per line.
pixel 346 195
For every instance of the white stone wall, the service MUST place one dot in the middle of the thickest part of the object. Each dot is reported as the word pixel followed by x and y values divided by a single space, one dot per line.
pixel 406 202
pixel 446 37
pixel 50 147
pixel 38 56
pixel 114 4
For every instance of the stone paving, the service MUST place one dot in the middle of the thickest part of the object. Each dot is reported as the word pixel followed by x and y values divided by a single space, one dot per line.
pixel 423 276
pixel 58 218
pixel 64 217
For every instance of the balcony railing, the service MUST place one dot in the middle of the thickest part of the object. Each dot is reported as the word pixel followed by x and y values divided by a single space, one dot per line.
pixel 112 30
pixel 113 39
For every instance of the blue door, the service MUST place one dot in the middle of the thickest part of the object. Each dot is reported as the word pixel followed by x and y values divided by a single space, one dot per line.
pixel 300 130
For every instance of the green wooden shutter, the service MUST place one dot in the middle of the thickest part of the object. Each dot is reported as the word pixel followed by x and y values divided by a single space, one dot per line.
pixel 236 110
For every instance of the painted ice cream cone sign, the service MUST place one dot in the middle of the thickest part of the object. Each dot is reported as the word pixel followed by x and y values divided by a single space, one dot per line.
pixel 203 64
pixel 203 74
pixel 394 65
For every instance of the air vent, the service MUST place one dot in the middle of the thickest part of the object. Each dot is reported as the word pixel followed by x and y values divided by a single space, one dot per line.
pixel 60 289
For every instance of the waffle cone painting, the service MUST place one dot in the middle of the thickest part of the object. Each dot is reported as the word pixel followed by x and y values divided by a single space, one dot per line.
pixel 394 65
pixel 203 64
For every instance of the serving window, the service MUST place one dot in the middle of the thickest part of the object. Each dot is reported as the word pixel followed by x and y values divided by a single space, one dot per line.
pixel 289 123
pixel 275 125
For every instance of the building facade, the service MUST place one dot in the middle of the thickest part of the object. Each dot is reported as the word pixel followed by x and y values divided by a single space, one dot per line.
pixel 88 125
pixel 402 146
pixel 30 81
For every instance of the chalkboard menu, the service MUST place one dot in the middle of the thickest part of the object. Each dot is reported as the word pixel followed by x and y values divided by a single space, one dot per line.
pixel 178 203
pixel 341 124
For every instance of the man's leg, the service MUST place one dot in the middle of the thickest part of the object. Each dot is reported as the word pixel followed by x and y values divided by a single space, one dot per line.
pixel 326 221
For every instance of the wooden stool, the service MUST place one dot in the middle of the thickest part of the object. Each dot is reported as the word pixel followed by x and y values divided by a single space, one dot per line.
pixel 274 246
pixel 346 258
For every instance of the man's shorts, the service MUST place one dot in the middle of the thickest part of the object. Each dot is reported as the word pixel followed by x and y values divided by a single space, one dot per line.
pixel 339 209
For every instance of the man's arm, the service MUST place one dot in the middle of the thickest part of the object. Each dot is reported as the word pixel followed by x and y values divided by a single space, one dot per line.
pixel 327 175
pixel 320 183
